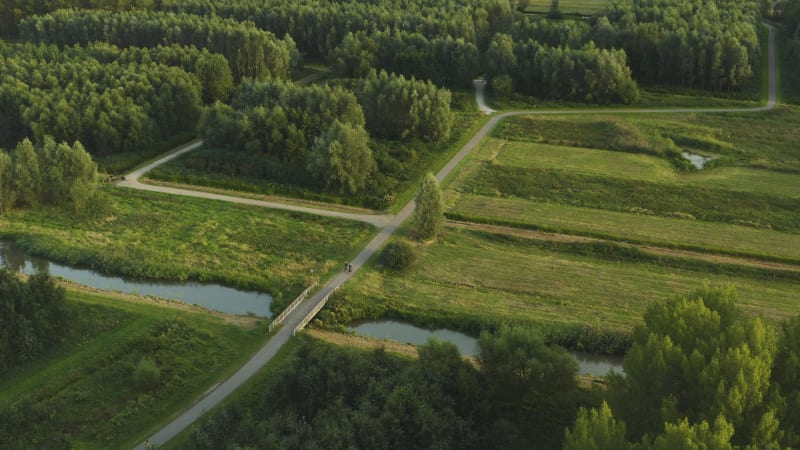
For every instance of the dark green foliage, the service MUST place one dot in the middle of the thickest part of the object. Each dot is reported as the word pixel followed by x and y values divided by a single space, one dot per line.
pixel 429 210
pixel 786 379
pixel 587 74
pixel 147 375
pixel 341 156
pixel 702 43
pixel 532 386
pixel 396 107
pixel 111 107
pixel 250 52
pixel 332 397
pixel 697 360
pixel 32 318
pixel 50 174
pixel 445 60
pixel 279 119
pixel 398 255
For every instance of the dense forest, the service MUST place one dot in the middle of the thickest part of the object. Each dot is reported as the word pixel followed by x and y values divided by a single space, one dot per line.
pixel 56 174
pixel 700 374
pixel 330 397
pixel 32 317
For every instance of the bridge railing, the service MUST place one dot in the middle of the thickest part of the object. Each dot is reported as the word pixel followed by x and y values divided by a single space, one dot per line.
pixel 288 310
pixel 314 311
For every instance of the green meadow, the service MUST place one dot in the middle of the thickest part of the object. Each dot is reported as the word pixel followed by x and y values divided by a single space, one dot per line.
pixel 472 280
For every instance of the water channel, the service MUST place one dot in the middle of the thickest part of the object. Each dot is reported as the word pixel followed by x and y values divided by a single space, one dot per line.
pixel 211 296
pixel 597 365
pixel 698 161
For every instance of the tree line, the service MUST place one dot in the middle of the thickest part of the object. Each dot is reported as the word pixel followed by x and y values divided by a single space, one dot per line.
pixel 250 52
pixel 588 74
pixel 32 317
pixel 109 107
pixel 700 374
pixel 324 129
pixel 57 174
pixel 331 397
pixel 710 44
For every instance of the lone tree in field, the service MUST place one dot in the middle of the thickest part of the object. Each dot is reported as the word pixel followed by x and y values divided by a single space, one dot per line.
pixel 430 212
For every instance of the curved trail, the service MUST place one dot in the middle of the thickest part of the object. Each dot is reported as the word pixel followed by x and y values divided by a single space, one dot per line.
pixel 388 224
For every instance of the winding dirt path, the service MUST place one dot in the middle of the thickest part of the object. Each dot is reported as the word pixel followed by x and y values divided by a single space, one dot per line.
pixel 388 225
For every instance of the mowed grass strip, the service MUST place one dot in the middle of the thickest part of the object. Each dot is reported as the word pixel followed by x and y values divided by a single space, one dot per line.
pixel 83 393
pixel 150 235
pixel 767 140
pixel 663 231
pixel 469 277
pixel 643 167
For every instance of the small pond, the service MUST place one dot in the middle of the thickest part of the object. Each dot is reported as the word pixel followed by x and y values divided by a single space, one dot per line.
pixel 598 365
pixel 698 161
pixel 211 296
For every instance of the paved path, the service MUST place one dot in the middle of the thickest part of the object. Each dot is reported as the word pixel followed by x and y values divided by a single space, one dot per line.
pixel 132 181
pixel 271 348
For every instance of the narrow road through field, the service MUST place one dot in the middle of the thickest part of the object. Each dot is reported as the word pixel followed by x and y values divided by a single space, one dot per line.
pixel 270 349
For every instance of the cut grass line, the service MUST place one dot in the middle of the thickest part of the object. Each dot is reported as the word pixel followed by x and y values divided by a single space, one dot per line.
pixel 617 226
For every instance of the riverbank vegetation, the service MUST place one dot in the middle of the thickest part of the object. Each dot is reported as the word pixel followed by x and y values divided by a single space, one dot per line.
pixel 157 236
pixel 328 396
pixel 79 391
pixel 32 320
pixel 474 280
pixel 701 372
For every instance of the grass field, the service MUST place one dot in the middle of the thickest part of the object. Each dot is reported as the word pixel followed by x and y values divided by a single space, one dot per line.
pixel 636 228
pixel 82 393
pixel 643 167
pixel 470 279
pixel 150 235
pixel 576 7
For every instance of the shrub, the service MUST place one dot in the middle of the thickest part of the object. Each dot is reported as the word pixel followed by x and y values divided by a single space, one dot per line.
pixel 146 375
pixel 398 255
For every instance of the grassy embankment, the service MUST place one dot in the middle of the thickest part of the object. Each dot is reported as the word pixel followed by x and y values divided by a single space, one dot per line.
pixel 151 235
pixel 404 161
pixel 82 393
pixel 536 173
pixel 471 280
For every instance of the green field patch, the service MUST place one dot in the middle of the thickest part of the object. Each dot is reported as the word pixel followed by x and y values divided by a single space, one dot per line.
pixel 645 168
pixel 759 140
pixel 470 279
pixel 639 228
pixel 84 394
pixel 157 236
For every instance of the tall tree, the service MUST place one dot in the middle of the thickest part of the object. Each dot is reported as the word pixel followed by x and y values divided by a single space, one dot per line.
pixel 429 213
pixel 699 357
pixel 27 174
pixel 341 157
